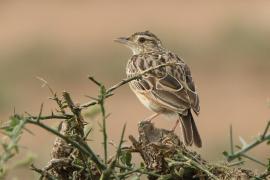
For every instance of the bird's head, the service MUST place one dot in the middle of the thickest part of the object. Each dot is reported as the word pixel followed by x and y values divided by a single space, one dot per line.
pixel 141 42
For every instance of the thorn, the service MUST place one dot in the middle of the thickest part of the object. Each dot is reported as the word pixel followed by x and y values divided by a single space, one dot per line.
pixel 93 98
pixel 91 78
pixel 29 131
pixel 14 111
pixel 243 142
pixel 40 112
pixel 42 80
pixel 231 139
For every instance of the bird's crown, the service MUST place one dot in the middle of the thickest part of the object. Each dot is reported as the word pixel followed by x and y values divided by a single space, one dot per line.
pixel 145 34
pixel 142 42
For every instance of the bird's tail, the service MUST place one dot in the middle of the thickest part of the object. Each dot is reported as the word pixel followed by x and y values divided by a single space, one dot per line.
pixel 190 131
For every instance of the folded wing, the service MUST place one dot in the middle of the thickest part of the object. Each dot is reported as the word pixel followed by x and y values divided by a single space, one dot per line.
pixel 173 87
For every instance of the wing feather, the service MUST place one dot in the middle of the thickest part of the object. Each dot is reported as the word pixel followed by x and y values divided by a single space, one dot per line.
pixel 173 87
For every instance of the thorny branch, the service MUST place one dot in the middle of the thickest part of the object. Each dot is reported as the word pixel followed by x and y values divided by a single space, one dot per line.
pixel 84 148
pixel 163 154
pixel 13 132
pixel 246 147
pixel 109 91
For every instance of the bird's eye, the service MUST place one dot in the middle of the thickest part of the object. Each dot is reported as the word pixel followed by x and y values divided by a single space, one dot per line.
pixel 141 40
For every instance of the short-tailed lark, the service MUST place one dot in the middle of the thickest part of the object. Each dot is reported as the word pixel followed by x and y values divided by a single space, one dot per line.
pixel 167 90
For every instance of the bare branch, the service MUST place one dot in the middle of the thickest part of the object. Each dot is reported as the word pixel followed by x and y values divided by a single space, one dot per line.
pixel 266 129
pixel 123 82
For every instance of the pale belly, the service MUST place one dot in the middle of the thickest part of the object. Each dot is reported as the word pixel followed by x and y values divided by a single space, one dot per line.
pixel 152 104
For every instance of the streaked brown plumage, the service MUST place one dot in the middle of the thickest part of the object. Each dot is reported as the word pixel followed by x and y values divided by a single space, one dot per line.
pixel 167 90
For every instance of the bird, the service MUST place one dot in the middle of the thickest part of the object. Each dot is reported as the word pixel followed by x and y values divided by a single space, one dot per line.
pixel 168 90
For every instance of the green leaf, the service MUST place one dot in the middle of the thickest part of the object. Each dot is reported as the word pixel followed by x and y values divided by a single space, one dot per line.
pixel 126 158
pixel 225 153
pixel 135 178
pixel 179 172
pixel 13 122
pixel 142 165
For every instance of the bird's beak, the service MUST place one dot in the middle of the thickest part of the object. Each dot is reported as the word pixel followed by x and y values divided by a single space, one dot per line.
pixel 122 40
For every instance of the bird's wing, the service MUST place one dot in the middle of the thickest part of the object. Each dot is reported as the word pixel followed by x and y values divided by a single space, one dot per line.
pixel 171 86
pixel 191 91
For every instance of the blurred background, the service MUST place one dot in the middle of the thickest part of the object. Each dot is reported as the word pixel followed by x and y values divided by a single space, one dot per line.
pixel 226 44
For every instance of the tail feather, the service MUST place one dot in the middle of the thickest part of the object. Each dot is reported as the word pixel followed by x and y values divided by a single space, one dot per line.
pixel 186 129
pixel 190 131
pixel 196 136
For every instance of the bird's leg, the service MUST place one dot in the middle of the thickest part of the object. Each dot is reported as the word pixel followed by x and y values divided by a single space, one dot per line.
pixel 150 118
pixel 175 125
